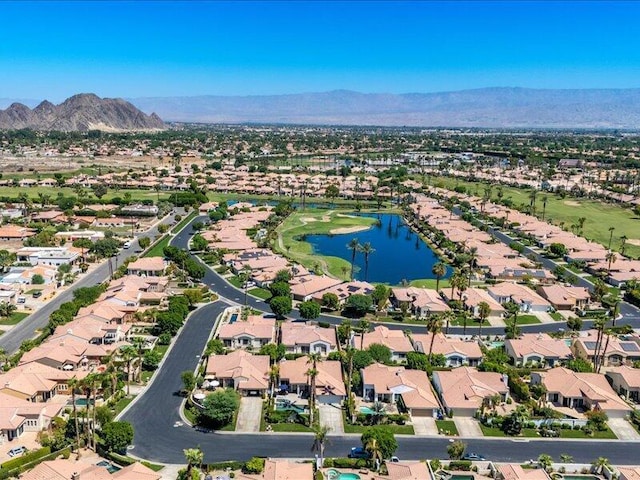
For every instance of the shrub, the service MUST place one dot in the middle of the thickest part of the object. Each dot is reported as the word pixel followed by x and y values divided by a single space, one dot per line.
pixel 460 465
pixel 255 465
pixel 28 457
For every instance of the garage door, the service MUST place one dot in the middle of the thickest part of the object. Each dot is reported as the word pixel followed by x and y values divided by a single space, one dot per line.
pixel 422 412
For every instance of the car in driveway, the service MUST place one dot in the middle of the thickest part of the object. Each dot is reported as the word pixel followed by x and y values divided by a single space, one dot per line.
pixel 359 452
pixel 16 451
pixel 474 457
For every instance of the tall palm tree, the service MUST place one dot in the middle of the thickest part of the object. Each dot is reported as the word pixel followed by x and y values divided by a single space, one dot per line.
pixel 473 259
pixel 611 229
pixel 194 456
pixel 603 355
pixel 347 355
pixel 312 373
pixel 581 221
pixel 366 250
pixel 434 326
pixel 544 206
pixel 128 354
pixel 484 310
pixel 364 326
pixel 354 246
pixel 623 244
pixel 532 200
pixel 448 316
pixel 599 324
pixel 73 384
pixel 274 374
pixel 611 258
pixel 438 270
pixel 320 434
pixel 375 452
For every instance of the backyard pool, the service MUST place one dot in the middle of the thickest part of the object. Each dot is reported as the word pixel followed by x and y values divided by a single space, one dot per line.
pixel 111 468
pixel 283 406
pixel 366 411
pixel 233 318
pixel 336 475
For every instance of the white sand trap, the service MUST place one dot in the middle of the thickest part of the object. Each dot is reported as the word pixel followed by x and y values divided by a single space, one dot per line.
pixel 571 203
pixel 343 230
pixel 308 219
pixel 634 241
pixel 344 215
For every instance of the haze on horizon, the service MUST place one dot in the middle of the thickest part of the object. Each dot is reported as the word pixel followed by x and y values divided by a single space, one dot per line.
pixel 139 49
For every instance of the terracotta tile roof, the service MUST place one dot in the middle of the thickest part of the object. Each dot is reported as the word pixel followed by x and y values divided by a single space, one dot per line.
pixel 251 370
pixel 413 385
pixel 466 387
pixel 446 345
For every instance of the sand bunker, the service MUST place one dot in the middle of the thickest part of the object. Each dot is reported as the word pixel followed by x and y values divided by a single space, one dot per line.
pixel 634 241
pixel 343 230
pixel 571 203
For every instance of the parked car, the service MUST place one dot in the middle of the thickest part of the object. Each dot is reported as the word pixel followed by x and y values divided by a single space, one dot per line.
pixel 473 457
pixel 14 452
pixel 37 294
pixel 359 452
pixel 127 244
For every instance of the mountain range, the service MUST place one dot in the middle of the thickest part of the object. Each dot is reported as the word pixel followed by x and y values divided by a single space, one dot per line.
pixel 486 107
pixel 81 112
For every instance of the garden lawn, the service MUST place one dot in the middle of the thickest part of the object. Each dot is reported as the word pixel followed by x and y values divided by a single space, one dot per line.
pixel 527 320
pixel 262 293
pixel 122 403
pixel 183 222
pixel 496 432
pixel 395 429
pixel 447 426
pixel 14 192
pixel 158 249
pixel 599 216
pixel 430 283
pixel 14 319
pixel 311 222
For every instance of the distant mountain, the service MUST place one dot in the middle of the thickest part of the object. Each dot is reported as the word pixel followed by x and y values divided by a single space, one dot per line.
pixel 80 113
pixel 487 107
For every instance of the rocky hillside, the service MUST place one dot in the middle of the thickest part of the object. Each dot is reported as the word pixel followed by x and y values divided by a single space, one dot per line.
pixel 80 113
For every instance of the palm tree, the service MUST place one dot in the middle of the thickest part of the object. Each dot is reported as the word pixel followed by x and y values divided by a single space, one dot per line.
pixel 448 316
pixel 512 309
pixel 623 244
pixel 581 221
pixel 354 246
pixel 434 326
pixel 128 355
pixel 611 229
pixel 473 258
pixel 6 259
pixel 320 434
pixel 600 464
pixel 347 355
pixel 566 458
pixel 438 270
pixel 138 344
pixel 375 453
pixel 379 410
pixel 366 250
pixel 484 310
pixel 457 280
pixel 274 374
pixel 599 324
pixel 544 206
pixel 312 373
pixel 364 326
pixel 194 456
pixel 611 258
pixel 73 384
pixel 532 201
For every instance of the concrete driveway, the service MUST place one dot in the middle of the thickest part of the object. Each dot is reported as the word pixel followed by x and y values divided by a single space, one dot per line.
pixel 424 426
pixel 623 429
pixel 249 415
pixel 467 427
pixel 331 417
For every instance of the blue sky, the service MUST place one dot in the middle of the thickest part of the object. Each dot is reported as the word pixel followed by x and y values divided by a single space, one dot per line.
pixel 130 49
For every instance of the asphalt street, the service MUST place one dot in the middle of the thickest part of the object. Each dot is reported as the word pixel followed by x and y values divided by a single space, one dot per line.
pixel 26 329
pixel 161 437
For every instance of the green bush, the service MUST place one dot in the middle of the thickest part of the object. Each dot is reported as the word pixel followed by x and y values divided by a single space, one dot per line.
pixel 28 457
pixel 255 465
pixel 224 466
pixel 464 465
pixel 342 462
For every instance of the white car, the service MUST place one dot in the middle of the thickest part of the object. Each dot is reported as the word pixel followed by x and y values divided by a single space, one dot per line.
pixel 14 452
pixel 127 244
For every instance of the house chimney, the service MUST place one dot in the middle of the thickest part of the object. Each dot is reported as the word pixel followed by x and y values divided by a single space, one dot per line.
pixel 75 476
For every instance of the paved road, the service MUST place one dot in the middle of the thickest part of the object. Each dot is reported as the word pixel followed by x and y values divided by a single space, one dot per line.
pixel 158 437
pixel 26 329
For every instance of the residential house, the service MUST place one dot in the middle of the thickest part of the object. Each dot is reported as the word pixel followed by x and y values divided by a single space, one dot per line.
pixel 303 338
pixel 147 266
pixel 396 340
pixel 14 233
pixel 574 392
pixel 512 471
pixel 253 333
pixel 622 350
pixel 344 290
pixel 628 473
pixel 18 416
pixel 463 389
pixel 420 301
pixel 65 469
pixel 565 298
pixel 538 349
pixel 36 382
pixel 303 287
pixel 527 299
pixel 473 297
pixel 51 256
pixel 455 350
pixel 277 469
pixel 626 381
pixel 410 389
pixel 405 471
pixel 248 374
pixel 329 383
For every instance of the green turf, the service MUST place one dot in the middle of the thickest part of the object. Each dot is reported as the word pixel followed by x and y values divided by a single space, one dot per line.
pixel 527 320
pixel 431 283
pixel 33 192
pixel 158 249
pixel 262 293
pixel 122 403
pixel 14 319
pixel 599 216
pixel 289 427
pixel 395 429
pixel 314 221
pixel 183 222
pixel 447 426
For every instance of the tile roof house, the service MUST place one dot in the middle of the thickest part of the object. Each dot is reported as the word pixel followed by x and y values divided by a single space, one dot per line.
pixel 395 384
pixel 456 350
pixel 626 381
pixel 528 300
pixel 304 287
pixel 565 298
pixel 147 266
pixel 628 473
pixel 18 416
pixel 462 390
pixel 36 382
pixel 396 340
pixel 344 290
pixel 329 382
pixel 421 301
pixel 248 374
pixel 511 471
pixel 65 469
pixel 573 392
pixel 622 350
pixel 539 349
pixel 253 333
pixel 405 471
pixel 277 469
pixel 303 338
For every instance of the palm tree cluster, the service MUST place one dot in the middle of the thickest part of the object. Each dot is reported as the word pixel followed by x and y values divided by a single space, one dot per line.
pixel 366 249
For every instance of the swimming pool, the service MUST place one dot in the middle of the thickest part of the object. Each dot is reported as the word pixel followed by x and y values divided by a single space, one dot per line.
pixel 333 474
pixel 233 318
pixel 111 468
pixel 366 410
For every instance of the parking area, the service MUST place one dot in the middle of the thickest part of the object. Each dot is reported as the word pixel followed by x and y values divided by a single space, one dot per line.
pixel 27 439
pixel 249 415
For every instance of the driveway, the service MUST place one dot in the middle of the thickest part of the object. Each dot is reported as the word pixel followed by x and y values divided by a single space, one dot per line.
pixel 623 429
pixel 424 426
pixel 249 415
pixel 331 417
pixel 467 427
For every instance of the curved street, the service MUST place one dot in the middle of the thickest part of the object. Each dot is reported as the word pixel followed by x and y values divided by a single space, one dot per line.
pixel 160 435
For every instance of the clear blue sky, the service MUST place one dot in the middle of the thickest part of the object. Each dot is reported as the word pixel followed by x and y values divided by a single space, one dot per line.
pixel 54 49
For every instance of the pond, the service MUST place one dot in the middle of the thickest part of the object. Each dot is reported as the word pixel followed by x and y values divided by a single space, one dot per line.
pixel 400 254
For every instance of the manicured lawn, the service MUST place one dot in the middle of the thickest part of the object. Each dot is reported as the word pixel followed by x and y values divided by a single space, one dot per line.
pixel 605 434
pixel 396 429
pixel 122 403
pixel 599 216
pixel 496 432
pixel 158 249
pixel 14 319
pixel 527 320
pixel 289 427
pixel 556 316
pixel 314 221
pixel 262 293
pixel 430 283
pixel 183 222
pixel 152 466
pixel 235 281
pixel 14 192
pixel 447 426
